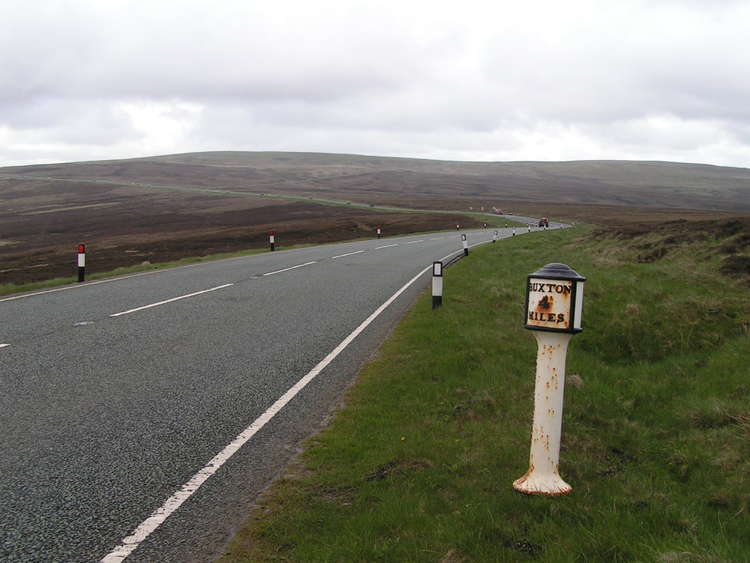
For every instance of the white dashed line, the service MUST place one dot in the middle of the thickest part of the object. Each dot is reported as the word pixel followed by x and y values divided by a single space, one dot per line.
pixel 4 345
pixel 386 246
pixel 347 254
pixel 170 300
pixel 415 241
pixel 287 269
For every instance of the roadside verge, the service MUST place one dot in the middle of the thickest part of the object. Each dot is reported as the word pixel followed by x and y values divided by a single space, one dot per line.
pixel 419 464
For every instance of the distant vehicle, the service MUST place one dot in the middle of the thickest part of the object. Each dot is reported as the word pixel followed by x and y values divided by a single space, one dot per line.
pixel 499 211
pixel 544 222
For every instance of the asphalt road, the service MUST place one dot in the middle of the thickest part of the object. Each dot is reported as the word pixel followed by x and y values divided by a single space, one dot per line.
pixel 115 394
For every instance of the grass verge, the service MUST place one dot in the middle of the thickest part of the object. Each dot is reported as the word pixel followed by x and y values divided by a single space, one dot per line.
pixel 11 288
pixel 418 466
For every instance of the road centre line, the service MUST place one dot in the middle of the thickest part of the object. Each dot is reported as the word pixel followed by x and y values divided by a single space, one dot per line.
pixel 386 246
pixel 170 300
pixel 287 269
pixel 150 524
pixel 140 274
pixel 347 254
pixel 415 241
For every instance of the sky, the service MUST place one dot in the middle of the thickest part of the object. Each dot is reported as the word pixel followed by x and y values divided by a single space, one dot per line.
pixel 460 80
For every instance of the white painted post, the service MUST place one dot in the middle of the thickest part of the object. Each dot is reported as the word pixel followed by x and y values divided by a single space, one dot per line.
pixel 514 232
pixel 494 236
pixel 465 244
pixel 272 240
pixel 437 284
pixel 81 262
pixel 554 306
pixel 380 233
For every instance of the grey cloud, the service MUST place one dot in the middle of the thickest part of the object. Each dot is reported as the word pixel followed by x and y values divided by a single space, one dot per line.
pixel 480 80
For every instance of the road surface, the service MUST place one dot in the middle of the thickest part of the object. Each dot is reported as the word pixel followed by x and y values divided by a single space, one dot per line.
pixel 118 393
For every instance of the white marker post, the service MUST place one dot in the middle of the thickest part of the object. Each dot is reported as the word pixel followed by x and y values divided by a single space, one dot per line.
pixel 465 244
pixel 514 232
pixel 81 262
pixel 554 306
pixel 272 240
pixel 528 227
pixel 380 232
pixel 458 227
pixel 437 284
pixel 494 236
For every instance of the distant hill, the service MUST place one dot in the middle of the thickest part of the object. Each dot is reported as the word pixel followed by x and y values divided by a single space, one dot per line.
pixel 427 183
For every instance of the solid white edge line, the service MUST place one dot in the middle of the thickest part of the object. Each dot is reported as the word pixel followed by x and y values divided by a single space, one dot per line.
pixel 287 269
pixel 147 527
pixel 4 345
pixel 347 254
pixel 170 300
pixel 82 285
pixel 386 246
pixel 150 524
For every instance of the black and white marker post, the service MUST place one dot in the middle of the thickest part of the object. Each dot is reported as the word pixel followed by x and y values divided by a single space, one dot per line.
pixel 81 262
pixel 458 227
pixel 272 240
pixel 437 284
pixel 466 245
pixel 380 233
pixel 494 236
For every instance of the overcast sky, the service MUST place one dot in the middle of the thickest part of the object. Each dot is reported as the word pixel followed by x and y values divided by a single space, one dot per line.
pixel 460 80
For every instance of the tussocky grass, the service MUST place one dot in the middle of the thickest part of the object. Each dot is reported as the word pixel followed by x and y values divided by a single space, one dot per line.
pixel 418 465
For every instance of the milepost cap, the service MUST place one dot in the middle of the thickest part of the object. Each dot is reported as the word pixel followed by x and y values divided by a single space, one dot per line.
pixel 557 271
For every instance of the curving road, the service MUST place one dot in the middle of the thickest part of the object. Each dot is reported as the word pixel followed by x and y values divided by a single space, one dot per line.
pixel 160 403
